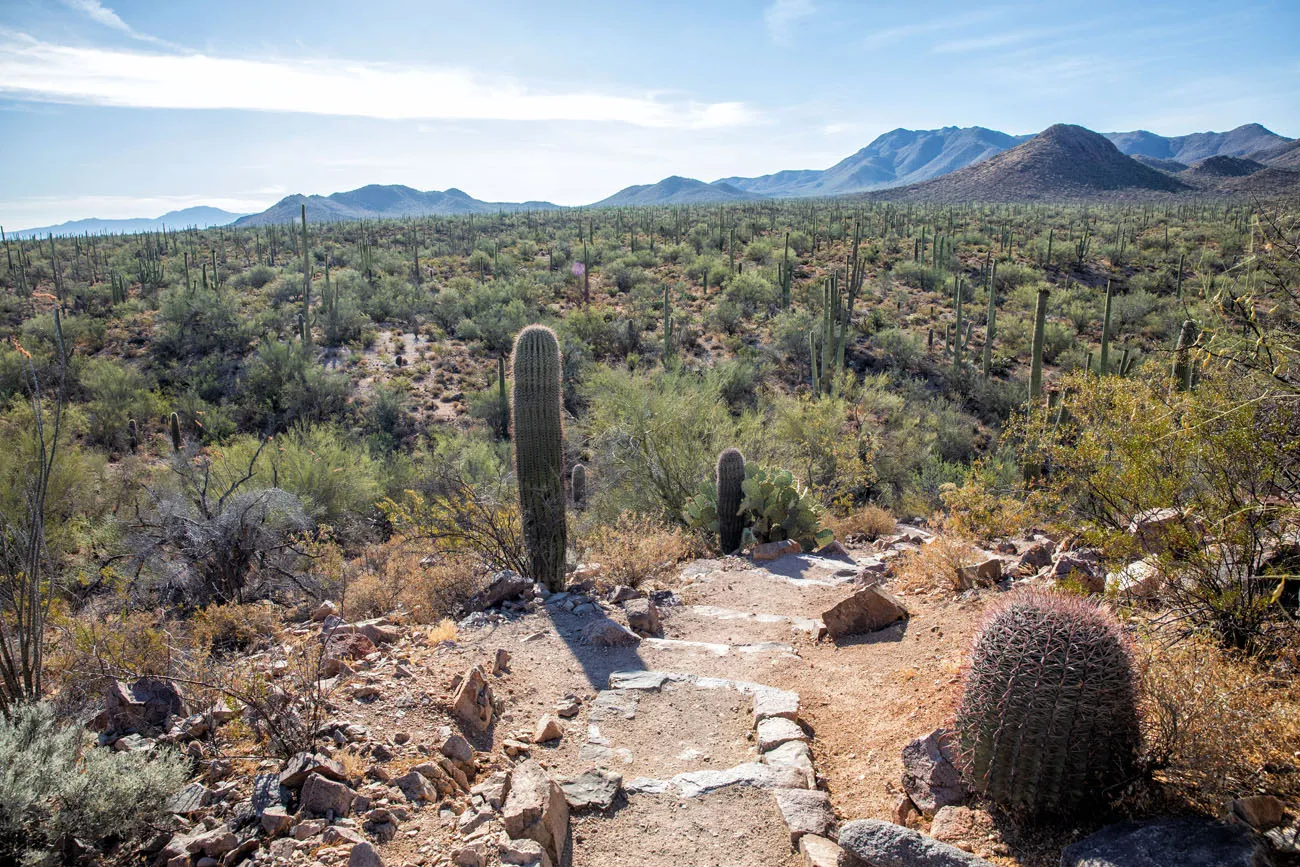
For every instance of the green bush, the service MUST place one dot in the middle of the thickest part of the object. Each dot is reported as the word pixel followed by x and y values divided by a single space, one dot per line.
pixel 59 794
pixel 774 508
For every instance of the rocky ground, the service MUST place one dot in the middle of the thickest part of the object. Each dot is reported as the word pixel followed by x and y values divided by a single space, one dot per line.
pixel 751 712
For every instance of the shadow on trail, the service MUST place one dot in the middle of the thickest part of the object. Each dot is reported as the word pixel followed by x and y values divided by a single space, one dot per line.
pixel 597 662
pixel 893 633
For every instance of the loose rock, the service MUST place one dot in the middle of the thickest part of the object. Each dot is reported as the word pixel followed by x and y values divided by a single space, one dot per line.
pixel 472 703
pixel 536 809
pixel 643 617
pixel 610 633
pixel 930 776
pixel 867 610
pixel 1189 842
pixel 884 844
pixel 805 811
pixel 594 788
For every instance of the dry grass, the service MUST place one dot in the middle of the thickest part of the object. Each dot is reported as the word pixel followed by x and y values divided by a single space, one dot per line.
pixel 227 628
pixel 934 565
pixel 404 576
pixel 634 550
pixel 1218 725
pixel 869 522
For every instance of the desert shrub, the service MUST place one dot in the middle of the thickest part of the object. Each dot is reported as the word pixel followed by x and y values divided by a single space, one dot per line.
pixel 1212 454
pixel 737 382
pixel 653 435
pixel 831 449
pixel 414 577
pixel 59 794
pixel 334 477
pixel 899 349
pixel 1217 725
pixel 633 550
pixel 117 393
pixel 868 522
pixel 751 292
pixel 919 276
pixel 935 565
pixel 790 331
pixel 222 629
pixel 283 386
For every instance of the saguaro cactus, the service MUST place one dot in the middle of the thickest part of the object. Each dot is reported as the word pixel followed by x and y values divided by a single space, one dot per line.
pixel 1036 365
pixel 133 435
pixel 1183 356
pixel 539 453
pixel 1104 359
pixel 578 486
pixel 1048 715
pixel 175 424
pixel 730 475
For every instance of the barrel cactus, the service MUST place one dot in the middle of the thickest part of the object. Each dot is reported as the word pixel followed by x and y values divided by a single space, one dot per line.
pixel 539 452
pixel 1048 716
pixel 578 485
pixel 730 477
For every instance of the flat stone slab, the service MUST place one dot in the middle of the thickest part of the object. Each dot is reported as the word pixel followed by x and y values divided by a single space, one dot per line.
pixel 643 680
pixel 820 852
pixel 795 755
pixel 805 811
pixel 774 731
pixel 1187 842
pixel 715 648
pixel 801 624
pixel 775 703
pixel 692 784
pixel 613 703
pixel 884 844
pixel 596 788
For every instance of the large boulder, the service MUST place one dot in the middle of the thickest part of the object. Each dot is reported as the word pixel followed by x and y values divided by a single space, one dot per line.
pixel 884 844
pixel 159 699
pixel 501 586
pixel 643 617
pixel 324 797
pixel 1186 842
pixel 985 573
pixel 472 703
pixel 1157 530
pixel 610 633
pixel 930 775
pixel 536 809
pixel 301 766
pixel 1080 566
pixel 867 610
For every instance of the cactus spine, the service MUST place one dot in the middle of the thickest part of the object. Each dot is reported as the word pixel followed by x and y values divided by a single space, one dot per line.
pixel 539 452
pixel 1048 715
pixel 1036 365
pixel 578 486
pixel 730 475
pixel 175 424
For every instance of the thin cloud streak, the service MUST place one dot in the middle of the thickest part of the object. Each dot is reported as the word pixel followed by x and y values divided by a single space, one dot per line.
pixel 781 15
pixel 101 14
pixel 37 70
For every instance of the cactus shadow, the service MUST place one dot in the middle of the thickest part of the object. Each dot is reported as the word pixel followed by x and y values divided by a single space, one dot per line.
pixel 597 663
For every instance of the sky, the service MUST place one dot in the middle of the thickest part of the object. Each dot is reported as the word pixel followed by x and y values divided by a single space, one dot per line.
pixel 130 108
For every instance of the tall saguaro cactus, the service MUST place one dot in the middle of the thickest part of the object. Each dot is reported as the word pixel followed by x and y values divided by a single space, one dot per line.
pixel 1103 360
pixel 306 282
pixel 1183 356
pixel 174 423
pixel 731 473
pixel 1036 364
pixel 539 453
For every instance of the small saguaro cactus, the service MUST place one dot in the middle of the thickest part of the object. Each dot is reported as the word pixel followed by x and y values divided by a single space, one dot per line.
pixel 133 435
pixel 1183 357
pixel 539 452
pixel 1036 364
pixel 578 486
pixel 730 477
pixel 1048 716
pixel 175 424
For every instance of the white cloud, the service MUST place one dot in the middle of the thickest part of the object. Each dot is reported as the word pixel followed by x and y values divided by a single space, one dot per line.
pixel 781 15
pixel 36 70
pixel 101 14
pixel 991 40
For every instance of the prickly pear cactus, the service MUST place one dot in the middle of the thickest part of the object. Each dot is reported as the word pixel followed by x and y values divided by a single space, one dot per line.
pixel 1048 717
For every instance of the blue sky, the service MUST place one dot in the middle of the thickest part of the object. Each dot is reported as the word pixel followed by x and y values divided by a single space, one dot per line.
pixel 117 108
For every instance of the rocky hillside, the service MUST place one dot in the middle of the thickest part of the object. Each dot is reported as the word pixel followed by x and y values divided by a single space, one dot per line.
pixel 1062 162
pixel 381 202
pixel 675 190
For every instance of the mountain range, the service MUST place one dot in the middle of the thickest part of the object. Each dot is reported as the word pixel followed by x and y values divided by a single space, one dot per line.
pixel 200 217
pixel 948 164
pixel 377 201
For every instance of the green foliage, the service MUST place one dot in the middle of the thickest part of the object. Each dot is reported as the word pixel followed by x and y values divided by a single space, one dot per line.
pixel 1048 719
pixel 116 393
pixel 776 508
pixel 59 793
pixel 283 386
